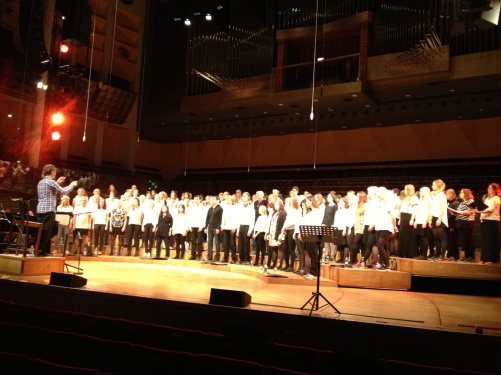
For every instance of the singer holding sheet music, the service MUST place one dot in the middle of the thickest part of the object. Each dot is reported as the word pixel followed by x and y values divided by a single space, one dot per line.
pixel 47 190
pixel 490 218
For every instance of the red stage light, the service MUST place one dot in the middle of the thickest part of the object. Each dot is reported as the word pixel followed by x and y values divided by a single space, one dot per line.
pixel 57 118
pixel 56 136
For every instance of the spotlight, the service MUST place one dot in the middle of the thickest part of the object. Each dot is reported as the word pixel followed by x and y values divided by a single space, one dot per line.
pixel 64 48
pixel 187 22
pixel 57 118
pixel 219 7
pixel 208 17
pixel 56 136
pixel 177 19
pixel 39 85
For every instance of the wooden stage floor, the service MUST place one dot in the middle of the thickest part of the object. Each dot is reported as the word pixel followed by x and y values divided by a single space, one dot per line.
pixel 191 282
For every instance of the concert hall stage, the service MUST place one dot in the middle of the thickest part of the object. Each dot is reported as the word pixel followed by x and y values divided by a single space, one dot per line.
pixel 468 278
pixel 458 331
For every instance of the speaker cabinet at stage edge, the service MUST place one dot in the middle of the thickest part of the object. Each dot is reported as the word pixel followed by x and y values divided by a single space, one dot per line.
pixel 232 298
pixel 67 279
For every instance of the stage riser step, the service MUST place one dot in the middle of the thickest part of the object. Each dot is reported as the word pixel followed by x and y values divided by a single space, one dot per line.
pixel 366 278
pixel 444 285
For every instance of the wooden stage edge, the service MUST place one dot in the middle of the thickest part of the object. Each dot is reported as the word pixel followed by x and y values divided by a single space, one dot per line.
pixel 331 274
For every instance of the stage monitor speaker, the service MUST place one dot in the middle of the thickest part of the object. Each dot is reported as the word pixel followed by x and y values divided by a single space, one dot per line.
pixel 67 279
pixel 233 298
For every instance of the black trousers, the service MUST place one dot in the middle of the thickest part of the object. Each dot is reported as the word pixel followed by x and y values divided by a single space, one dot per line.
pixel 133 232
pixel 47 219
pixel 196 239
pixel 99 236
pixel 229 245
pixel 244 243
pixel 490 241
pixel 148 237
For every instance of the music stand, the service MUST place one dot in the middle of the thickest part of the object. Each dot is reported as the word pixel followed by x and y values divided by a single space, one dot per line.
pixel 315 234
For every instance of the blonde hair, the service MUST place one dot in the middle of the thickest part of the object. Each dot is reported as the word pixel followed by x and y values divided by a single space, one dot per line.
pixel 440 185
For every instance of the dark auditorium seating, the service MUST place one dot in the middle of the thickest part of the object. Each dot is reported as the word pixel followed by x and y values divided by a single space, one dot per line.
pixel 171 361
pixel 40 366
pixel 295 357
pixel 15 364
pixel 222 366
pixel 274 370
pixel 128 347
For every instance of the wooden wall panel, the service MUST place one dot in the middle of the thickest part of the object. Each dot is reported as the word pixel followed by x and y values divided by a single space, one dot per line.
pixel 445 140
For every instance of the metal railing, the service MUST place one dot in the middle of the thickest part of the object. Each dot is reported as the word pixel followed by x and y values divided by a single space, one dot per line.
pixel 331 71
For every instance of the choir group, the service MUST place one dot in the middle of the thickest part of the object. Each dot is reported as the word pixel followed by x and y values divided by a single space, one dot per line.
pixel 365 228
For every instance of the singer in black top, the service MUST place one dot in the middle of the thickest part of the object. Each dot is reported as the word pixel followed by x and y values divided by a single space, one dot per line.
pixel 163 231
pixel 213 228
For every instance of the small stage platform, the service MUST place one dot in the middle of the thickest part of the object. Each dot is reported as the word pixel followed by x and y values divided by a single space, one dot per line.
pixel 30 266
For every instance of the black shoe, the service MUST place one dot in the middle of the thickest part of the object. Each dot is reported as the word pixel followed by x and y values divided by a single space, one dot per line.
pixel 175 258
pixel 216 258
pixel 289 269
pixel 225 260
pixel 192 258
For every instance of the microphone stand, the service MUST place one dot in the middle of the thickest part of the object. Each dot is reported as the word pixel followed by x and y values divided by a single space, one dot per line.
pixel 79 271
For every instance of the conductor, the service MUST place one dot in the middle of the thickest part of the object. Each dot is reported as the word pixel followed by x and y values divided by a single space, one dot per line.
pixel 47 200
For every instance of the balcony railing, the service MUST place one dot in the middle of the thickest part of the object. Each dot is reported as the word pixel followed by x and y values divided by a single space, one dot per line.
pixel 331 71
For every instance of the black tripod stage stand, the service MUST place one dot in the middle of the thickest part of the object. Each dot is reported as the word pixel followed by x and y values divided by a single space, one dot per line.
pixel 314 234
